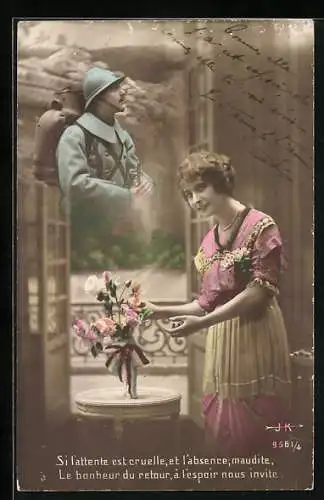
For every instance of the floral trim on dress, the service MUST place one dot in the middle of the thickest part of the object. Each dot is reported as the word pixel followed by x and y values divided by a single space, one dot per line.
pixel 257 229
pixel 239 257
pixel 203 263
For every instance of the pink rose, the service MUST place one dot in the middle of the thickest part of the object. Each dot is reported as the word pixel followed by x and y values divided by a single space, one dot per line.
pixel 105 326
pixel 80 327
pixel 91 335
pixel 134 301
pixel 131 316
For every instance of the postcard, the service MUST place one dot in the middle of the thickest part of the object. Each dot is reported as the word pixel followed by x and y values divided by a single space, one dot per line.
pixel 164 255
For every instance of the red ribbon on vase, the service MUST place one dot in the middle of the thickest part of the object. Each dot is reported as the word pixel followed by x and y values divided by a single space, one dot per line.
pixel 125 353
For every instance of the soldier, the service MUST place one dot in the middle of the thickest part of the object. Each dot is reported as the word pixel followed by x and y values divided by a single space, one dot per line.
pixel 97 164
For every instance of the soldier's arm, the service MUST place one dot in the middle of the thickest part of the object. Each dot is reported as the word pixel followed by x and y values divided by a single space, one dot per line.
pixel 133 163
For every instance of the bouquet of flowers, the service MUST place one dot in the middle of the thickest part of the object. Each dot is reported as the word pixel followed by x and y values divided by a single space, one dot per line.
pixel 113 333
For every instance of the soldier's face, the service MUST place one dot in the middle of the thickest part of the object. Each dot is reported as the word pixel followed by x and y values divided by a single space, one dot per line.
pixel 114 97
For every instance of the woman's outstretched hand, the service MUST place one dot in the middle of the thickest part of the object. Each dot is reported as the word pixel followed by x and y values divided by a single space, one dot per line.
pixel 182 326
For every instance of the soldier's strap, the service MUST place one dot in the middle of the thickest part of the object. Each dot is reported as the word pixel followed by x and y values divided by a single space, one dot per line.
pixel 91 142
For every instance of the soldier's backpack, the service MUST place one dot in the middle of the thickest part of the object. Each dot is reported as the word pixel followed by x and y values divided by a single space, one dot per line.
pixel 66 106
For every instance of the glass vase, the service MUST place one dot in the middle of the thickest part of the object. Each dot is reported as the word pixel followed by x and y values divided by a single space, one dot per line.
pixel 131 392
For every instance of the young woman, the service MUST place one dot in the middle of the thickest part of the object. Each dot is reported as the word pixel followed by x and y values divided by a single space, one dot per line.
pixel 246 381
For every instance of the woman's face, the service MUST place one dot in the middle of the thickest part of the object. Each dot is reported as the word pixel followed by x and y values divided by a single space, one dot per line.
pixel 204 199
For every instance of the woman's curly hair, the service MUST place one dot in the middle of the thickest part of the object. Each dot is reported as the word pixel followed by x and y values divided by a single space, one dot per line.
pixel 208 168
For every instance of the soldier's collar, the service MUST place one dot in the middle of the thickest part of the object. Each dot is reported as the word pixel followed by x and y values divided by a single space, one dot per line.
pixel 101 129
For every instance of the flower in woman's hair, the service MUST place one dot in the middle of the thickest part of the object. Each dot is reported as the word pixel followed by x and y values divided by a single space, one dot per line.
pixel 92 285
pixel 105 326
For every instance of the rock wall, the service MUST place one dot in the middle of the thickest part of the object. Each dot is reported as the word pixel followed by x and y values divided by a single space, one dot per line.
pixel 52 54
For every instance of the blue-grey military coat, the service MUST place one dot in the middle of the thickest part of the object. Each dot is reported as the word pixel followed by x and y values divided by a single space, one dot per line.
pixel 80 181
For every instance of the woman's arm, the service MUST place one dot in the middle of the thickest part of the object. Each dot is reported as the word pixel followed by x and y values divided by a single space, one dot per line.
pixel 160 312
pixel 250 302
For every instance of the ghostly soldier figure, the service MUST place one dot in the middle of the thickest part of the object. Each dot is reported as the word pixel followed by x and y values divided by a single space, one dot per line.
pixel 97 164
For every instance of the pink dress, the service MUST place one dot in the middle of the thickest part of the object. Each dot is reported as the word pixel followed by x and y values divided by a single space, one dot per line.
pixel 246 384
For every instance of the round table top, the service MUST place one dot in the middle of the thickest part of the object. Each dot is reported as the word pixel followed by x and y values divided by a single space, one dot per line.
pixel 152 402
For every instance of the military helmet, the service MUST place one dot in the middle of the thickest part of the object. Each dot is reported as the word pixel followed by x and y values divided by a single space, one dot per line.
pixel 97 80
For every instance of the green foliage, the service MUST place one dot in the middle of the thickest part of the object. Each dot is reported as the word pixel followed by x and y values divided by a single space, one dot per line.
pixel 104 250
pixel 165 251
